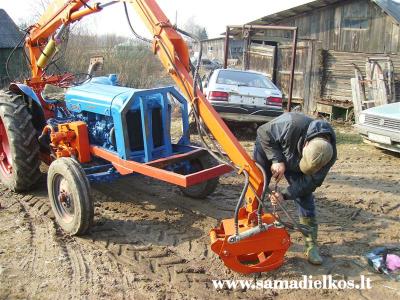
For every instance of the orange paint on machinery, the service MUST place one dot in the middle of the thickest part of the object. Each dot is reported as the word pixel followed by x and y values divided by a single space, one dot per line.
pixel 71 140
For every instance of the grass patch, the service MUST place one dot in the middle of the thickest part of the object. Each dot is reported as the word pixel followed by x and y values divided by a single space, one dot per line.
pixel 348 138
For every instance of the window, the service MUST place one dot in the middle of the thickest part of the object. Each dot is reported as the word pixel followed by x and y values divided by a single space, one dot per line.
pixel 355 23
pixel 244 79
pixel 355 16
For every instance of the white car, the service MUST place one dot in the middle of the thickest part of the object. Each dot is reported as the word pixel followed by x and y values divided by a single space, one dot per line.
pixel 243 96
pixel 380 126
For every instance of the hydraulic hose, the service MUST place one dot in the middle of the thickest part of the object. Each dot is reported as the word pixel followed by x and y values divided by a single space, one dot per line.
pixel 264 192
pixel 240 201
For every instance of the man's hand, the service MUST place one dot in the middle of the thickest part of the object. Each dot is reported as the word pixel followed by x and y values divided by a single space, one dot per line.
pixel 278 170
pixel 276 197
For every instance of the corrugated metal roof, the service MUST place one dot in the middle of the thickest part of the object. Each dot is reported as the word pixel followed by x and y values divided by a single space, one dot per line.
pixel 9 33
pixel 294 11
pixel 391 7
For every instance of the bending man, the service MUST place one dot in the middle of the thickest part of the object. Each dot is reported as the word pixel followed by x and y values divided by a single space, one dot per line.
pixel 303 150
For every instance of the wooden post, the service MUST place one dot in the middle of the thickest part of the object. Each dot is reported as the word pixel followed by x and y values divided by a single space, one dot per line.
pixel 226 50
pixel 357 101
pixel 292 67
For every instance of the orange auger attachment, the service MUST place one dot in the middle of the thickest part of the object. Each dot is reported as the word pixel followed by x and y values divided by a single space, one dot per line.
pixel 252 241
pixel 256 248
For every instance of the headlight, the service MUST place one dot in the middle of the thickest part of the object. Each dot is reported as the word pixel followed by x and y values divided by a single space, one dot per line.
pixel 361 119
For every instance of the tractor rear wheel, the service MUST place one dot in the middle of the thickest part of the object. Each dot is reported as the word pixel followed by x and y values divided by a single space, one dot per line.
pixel 19 147
pixel 205 188
pixel 69 193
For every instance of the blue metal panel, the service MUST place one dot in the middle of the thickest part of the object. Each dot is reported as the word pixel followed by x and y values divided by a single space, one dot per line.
pixel 146 130
pixel 95 97
pixel 166 117
pixel 112 79
pixel 27 91
pixel 103 177
pixel 185 139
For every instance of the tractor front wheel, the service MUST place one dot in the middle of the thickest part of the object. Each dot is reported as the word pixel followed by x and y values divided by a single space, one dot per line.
pixel 69 193
pixel 19 147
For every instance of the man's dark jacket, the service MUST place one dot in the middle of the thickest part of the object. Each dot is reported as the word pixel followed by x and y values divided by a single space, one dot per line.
pixel 283 140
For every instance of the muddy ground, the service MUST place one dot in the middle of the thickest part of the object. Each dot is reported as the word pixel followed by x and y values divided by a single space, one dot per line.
pixel 151 242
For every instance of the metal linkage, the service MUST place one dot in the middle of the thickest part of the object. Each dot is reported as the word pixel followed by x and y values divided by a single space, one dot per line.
pixel 304 229
pixel 249 233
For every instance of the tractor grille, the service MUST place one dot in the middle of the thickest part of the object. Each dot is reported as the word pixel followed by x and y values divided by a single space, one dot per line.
pixel 382 122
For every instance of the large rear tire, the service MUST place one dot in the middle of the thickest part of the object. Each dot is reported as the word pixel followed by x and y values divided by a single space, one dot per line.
pixel 69 193
pixel 19 147
pixel 205 188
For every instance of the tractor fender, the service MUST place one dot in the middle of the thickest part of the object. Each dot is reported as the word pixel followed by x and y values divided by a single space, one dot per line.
pixel 20 88
pixel 37 112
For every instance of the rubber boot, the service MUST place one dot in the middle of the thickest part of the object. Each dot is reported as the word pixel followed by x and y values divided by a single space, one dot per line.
pixel 311 247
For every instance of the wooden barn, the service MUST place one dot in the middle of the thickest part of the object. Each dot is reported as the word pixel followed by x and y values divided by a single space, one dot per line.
pixel 10 36
pixel 334 38
pixel 214 48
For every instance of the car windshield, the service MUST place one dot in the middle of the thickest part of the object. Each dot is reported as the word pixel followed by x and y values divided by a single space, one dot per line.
pixel 244 79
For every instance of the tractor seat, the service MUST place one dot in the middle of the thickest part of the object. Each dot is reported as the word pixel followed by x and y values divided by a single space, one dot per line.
pixel 53 94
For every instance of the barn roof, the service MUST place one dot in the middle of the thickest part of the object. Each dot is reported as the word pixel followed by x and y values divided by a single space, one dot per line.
pixel 391 7
pixel 9 32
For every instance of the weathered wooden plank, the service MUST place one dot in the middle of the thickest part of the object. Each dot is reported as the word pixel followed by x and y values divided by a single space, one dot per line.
pixel 377 25
pixel 395 46
pixel 307 76
pixel 262 59
pixel 337 27
pixel 356 97
pixel 387 45
pixel 316 72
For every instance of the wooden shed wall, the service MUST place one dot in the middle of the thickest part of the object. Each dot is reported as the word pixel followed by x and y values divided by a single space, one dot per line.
pixel 382 35
pixel 215 49
pixel 338 69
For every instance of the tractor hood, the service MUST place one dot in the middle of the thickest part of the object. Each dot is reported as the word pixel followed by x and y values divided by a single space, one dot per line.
pixel 97 97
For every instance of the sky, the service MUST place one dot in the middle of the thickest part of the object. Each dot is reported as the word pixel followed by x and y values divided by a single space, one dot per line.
pixel 212 14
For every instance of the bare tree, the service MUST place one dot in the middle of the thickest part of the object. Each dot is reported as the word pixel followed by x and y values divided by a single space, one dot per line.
pixel 193 27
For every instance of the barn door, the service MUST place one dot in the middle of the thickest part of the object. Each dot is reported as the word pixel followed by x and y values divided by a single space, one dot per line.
pixel 306 84
pixel 262 59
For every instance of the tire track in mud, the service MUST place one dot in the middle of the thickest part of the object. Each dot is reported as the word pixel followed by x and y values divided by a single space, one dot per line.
pixel 150 264
pixel 78 271
pixel 154 250
pixel 28 262
pixel 35 210
pixel 184 259
pixel 80 274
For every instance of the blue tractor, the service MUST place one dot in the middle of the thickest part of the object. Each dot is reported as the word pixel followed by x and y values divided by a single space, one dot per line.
pixel 103 131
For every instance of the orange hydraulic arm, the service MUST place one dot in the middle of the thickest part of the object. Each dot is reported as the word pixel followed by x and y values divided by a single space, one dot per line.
pixel 267 246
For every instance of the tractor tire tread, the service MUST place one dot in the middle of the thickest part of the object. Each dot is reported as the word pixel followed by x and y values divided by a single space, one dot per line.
pixel 24 146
